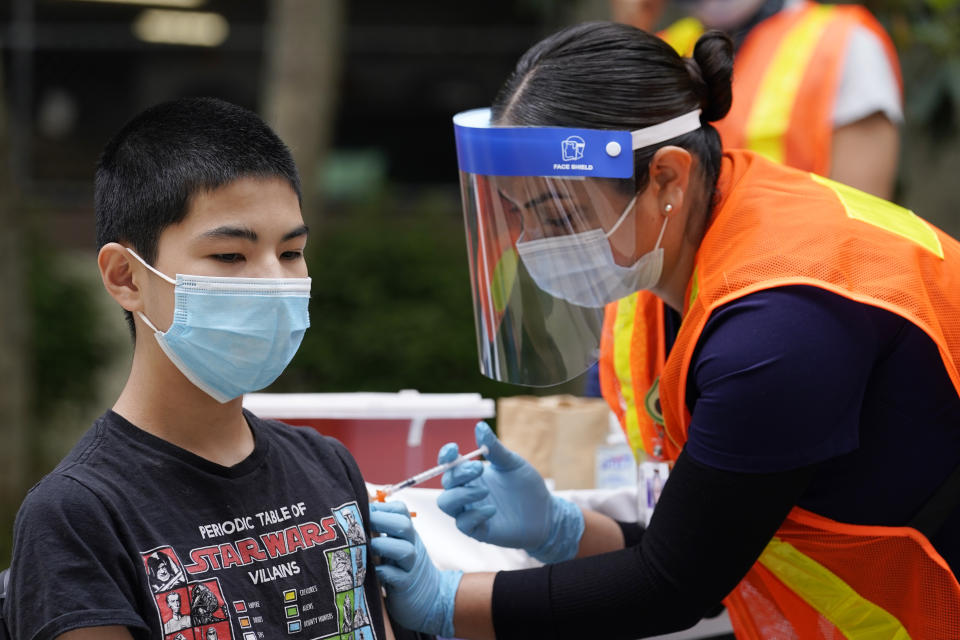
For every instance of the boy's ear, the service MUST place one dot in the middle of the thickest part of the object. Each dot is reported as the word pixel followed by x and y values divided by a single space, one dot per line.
pixel 117 272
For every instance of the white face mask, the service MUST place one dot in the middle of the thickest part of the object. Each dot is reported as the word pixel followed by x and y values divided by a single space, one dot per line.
pixel 580 268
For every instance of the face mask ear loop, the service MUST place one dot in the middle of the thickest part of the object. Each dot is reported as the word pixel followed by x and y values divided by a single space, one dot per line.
pixel 144 263
pixel 146 320
pixel 623 216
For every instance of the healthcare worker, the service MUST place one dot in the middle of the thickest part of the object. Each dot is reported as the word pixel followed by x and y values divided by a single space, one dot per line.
pixel 809 405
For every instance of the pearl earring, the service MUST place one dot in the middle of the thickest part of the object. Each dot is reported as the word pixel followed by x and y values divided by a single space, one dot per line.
pixel 668 207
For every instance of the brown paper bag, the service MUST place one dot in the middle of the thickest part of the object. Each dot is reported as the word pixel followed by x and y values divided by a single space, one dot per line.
pixel 558 435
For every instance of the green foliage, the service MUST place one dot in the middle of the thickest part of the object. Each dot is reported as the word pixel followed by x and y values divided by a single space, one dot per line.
pixel 926 34
pixel 391 305
pixel 69 350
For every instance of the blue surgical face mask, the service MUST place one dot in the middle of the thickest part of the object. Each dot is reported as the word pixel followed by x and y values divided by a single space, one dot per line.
pixel 580 268
pixel 231 336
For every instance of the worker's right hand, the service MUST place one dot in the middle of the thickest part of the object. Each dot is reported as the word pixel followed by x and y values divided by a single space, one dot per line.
pixel 419 596
pixel 506 503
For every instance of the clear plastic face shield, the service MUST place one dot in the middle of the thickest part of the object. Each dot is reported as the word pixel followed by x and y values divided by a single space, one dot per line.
pixel 551 239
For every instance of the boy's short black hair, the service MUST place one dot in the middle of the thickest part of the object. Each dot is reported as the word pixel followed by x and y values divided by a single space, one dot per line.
pixel 157 162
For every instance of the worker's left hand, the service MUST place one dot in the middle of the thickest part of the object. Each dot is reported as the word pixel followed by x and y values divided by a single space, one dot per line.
pixel 419 596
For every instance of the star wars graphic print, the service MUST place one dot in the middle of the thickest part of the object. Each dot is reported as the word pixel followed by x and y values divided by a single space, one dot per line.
pixel 284 579
pixel 347 567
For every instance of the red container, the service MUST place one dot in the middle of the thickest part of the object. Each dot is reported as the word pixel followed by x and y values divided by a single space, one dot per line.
pixel 392 436
pixel 380 446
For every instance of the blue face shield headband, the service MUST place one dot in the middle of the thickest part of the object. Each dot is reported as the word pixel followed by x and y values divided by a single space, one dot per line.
pixel 232 336
pixel 559 152
pixel 552 237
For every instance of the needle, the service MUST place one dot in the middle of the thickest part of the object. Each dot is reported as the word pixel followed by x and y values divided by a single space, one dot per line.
pixel 423 476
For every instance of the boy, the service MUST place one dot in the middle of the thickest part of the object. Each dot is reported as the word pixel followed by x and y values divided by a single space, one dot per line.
pixel 179 514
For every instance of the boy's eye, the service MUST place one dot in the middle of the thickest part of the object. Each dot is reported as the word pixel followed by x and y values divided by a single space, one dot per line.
pixel 292 255
pixel 228 257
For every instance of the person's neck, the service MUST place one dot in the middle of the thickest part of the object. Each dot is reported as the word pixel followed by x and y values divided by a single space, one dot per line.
pixel 674 287
pixel 160 400
pixel 694 218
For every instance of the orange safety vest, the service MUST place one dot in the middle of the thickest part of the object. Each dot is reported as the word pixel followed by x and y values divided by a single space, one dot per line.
pixel 774 227
pixel 785 82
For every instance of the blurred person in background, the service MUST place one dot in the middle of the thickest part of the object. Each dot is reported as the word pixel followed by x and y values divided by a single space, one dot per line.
pixel 815 86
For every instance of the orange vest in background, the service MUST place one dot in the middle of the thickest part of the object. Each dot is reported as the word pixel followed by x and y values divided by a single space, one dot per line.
pixel 776 227
pixel 785 82
pixel 493 260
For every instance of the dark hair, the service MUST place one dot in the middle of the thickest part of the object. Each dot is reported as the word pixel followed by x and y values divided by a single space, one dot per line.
pixel 157 162
pixel 605 75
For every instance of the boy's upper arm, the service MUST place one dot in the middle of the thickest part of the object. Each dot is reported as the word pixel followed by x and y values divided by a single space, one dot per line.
pixel 387 629
pixel 69 569
pixel 338 461
pixel 353 470
pixel 363 500
pixel 97 633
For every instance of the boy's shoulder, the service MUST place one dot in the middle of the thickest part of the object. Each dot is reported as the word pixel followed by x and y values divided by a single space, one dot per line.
pixel 98 467
pixel 63 499
pixel 88 450
pixel 74 484
pixel 112 438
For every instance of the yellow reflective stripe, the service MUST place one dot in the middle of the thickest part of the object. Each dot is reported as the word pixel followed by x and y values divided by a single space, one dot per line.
pixel 504 275
pixel 777 93
pixel 855 616
pixel 682 35
pixel 886 215
pixel 622 342
pixel 694 287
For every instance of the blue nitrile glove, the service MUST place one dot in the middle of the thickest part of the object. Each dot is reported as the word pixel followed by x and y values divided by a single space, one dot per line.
pixel 506 503
pixel 419 596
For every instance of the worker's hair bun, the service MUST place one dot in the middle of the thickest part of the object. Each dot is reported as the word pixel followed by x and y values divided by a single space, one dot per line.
pixel 711 69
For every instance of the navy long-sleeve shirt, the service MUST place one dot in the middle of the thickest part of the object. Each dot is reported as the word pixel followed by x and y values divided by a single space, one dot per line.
pixel 798 396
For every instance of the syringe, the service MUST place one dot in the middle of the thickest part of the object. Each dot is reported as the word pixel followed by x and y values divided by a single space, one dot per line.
pixel 423 476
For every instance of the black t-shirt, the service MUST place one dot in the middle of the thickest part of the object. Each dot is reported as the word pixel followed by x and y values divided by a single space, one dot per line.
pixel 131 530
